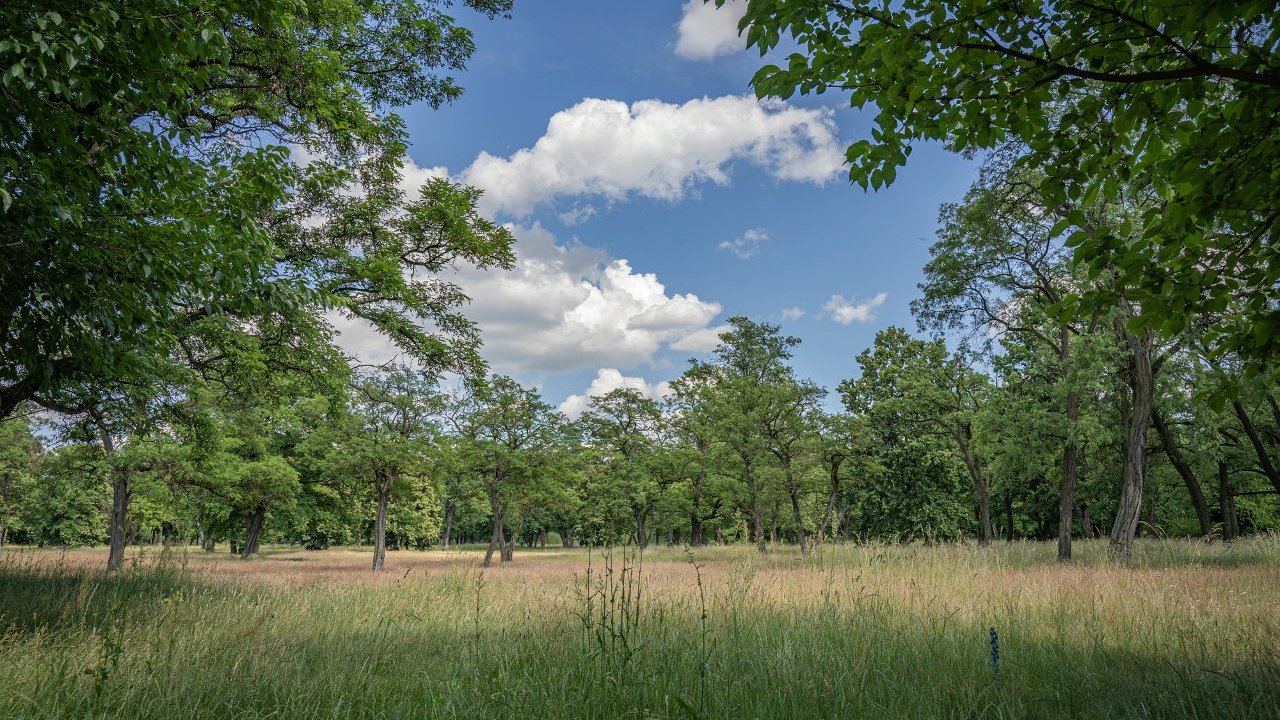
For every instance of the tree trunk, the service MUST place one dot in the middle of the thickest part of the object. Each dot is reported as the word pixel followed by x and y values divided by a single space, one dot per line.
pixel 1227 501
pixel 1067 498
pixel 1264 458
pixel 1184 470
pixel 496 540
pixel 981 488
pixel 380 524
pixel 828 517
pixel 1067 495
pixel 695 512
pixel 1086 522
pixel 756 520
pixel 509 547
pixel 794 492
pixel 448 524
pixel 119 500
pixel 642 534
pixel 1008 516
pixel 252 530
pixel 1142 385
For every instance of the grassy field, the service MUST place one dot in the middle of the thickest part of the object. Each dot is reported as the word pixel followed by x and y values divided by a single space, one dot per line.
pixel 1192 631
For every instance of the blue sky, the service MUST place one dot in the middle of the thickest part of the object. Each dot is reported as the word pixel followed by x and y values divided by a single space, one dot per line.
pixel 653 197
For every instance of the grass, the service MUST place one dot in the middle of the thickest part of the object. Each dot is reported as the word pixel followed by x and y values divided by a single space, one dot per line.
pixel 870 631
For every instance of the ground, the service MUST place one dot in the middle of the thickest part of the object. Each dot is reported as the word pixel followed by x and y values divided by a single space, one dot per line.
pixel 1192 630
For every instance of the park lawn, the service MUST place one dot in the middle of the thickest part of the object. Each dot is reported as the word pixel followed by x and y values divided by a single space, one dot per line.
pixel 1192 630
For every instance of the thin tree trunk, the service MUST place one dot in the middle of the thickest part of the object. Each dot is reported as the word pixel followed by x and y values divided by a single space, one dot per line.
pixel 1086 522
pixel 642 535
pixel 1142 385
pixel 496 540
pixel 794 492
pixel 1070 463
pixel 756 519
pixel 1008 516
pixel 1227 501
pixel 380 524
pixel 1264 458
pixel 981 488
pixel 1067 495
pixel 695 512
pixel 448 524
pixel 833 485
pixel 1184 470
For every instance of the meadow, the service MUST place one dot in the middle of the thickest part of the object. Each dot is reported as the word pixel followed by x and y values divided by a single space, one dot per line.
pixel 1191 630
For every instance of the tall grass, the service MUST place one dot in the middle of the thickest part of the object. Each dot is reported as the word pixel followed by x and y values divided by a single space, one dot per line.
pixel 875 631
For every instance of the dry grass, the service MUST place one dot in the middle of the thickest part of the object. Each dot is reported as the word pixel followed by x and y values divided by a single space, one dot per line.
pixel 1192 630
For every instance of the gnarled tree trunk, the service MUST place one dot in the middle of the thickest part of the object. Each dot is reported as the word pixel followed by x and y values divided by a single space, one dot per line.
pixel 1142 389
pixel 252 531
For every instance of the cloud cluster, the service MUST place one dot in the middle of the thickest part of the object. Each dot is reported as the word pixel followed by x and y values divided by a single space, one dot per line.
pixel 747 244
pixel 611 150
pixel 568 307
pixel 792 313
pixel 846 311
pixel 608 379
pixel 706 31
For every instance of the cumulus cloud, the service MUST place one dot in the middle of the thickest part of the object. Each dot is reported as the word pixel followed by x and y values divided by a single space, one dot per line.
pixel 845 311
pixel 706 31
pixel 567 307
pixel 608 379
pixel 747 244
pixel 792 313
pixel 612 150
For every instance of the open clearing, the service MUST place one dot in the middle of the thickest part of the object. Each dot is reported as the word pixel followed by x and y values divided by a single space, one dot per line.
pixel 857 631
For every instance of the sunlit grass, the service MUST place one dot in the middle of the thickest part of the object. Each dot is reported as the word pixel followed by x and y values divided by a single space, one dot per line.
pixel 856 631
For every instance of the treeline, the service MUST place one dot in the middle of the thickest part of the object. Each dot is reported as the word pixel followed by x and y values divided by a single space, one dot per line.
pixel 192 196
pixel 1027 437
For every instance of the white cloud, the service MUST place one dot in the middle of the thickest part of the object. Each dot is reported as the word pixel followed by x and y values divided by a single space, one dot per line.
pixel 612 150
pixel 414 176
pixel 701 341
pixel 706 31
pixel 747 244
pixel 608 379
pixel 567 307
pixel 845 311
pixel 792 313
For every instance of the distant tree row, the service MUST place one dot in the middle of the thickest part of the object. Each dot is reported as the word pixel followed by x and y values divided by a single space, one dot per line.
pixel 192 194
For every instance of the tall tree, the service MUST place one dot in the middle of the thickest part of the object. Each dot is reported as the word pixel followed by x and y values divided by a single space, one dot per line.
pixel 143 144
pixel 397 410
pixel 622 429
pixel 1181 94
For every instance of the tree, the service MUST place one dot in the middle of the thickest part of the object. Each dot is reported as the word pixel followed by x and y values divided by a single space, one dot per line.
pixel 920 387
pixel 511 436
pixel 749 358
pixel 1182 95
pixel 396 410
pixel 145 182
pixel 787 430
pixel 621 428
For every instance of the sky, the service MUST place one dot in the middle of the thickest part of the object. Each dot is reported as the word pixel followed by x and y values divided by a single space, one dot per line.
pixel 653 196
